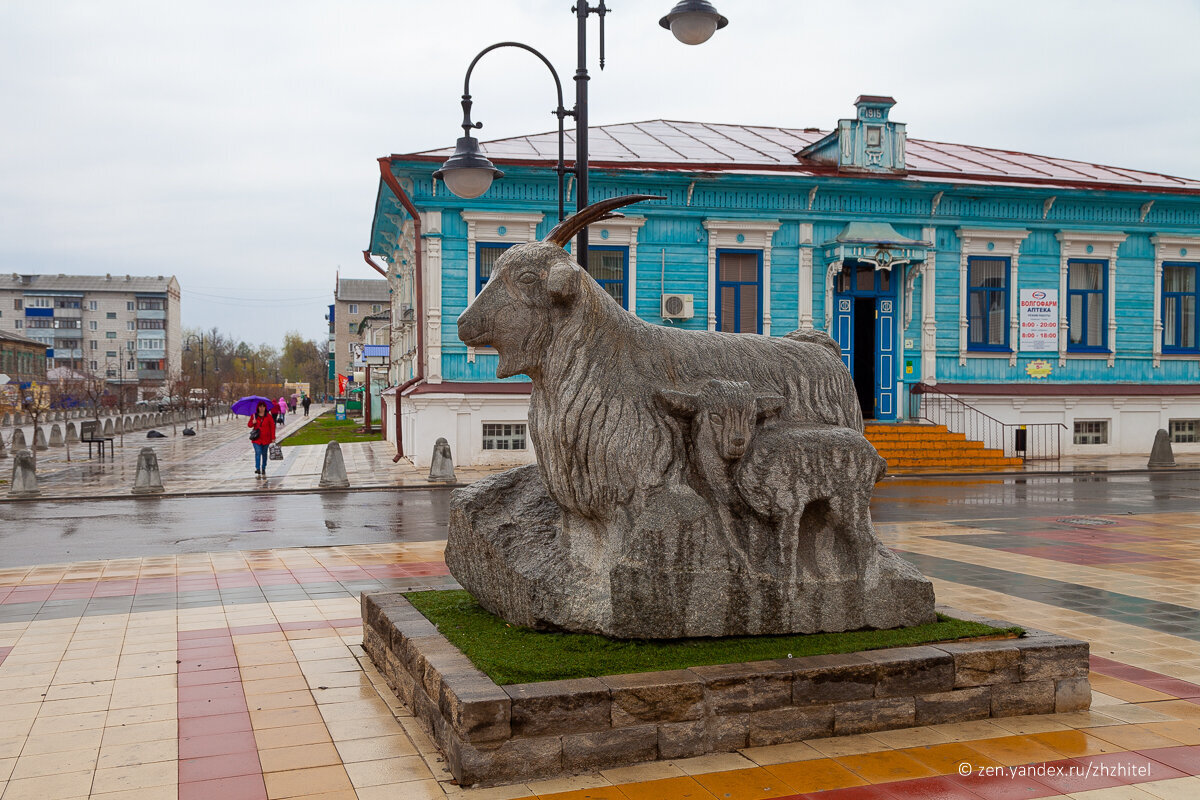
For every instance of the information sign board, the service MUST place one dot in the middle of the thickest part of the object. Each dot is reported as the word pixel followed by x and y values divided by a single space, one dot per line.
pixel 1039 320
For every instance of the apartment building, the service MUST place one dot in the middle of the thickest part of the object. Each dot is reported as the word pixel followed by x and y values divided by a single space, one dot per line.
pixel 354 300
pixel 124 328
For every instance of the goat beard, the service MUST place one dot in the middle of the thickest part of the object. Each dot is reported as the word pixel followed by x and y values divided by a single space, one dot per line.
pixel 523 358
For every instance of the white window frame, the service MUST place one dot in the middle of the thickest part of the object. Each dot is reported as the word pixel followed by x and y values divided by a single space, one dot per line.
pixel 91 305
pixel 1167 248
pixel 1107 433
pixel 621 232
pixel 993 243
pixel 1074 245
pixel 756 235
pixel 483 436
pixel 484 227
pixel 352 308
pixel 93 325
pixel 1195 424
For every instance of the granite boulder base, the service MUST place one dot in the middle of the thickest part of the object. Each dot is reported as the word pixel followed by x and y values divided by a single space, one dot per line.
pixel 689 483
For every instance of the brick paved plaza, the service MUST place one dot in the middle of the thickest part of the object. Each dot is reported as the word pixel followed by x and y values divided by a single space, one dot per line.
pixel 241 675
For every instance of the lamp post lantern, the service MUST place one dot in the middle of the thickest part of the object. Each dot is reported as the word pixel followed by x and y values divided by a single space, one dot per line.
pixel 468 173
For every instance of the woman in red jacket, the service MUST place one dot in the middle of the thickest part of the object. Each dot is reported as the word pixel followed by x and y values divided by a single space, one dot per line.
pixel 264 424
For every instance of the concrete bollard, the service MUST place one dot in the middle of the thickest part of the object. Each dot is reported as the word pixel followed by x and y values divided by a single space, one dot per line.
pixel 72 435
pixel 108 428
pixel 3 452
pixel 128 424
pixel 5 420
pixel 333 471
pixel 118 426
pixel 24 477
pixel 56 435
pixel 39 438
pixel 1161 455
pixel 18 440
pixel 148 479
pixel 442 466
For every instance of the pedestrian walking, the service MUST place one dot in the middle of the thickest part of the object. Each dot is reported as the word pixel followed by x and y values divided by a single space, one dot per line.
pixel 262 433
pixel 282 410
pixel 306 402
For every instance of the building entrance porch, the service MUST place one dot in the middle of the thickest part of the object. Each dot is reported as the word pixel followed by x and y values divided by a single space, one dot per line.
pixel 864 326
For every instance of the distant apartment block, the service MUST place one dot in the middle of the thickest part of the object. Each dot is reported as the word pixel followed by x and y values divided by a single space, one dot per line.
pixel 123 328
pixel 354 300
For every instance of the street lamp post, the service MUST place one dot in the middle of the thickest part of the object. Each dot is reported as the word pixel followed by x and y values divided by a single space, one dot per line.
pixel 187 347
pixel 468 173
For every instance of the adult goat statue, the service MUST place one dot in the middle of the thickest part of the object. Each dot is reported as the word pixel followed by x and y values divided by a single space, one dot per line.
pixel 615 530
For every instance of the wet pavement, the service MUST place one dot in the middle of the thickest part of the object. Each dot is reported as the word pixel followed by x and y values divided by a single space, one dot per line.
pixel 998 497
pixel 70 530
pixel 83 530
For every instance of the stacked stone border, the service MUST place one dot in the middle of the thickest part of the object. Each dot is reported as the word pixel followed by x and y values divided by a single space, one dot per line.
pixel 502 734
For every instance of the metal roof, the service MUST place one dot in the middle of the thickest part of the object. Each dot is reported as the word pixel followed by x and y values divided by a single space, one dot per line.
pixel 86 283
pixel 16 337
pixel 374 290
pixel 701 146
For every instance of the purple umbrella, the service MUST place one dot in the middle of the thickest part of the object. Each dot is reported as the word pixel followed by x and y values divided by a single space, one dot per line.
pixel 247 405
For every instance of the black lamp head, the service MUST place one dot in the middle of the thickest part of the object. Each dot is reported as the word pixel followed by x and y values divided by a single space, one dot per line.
pixel 693 21
pixel 468 173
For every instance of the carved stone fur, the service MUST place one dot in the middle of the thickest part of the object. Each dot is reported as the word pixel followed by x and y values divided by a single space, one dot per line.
pixel 689 483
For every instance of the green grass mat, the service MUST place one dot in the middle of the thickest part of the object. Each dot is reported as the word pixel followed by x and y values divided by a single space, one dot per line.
pixel 509 654
pixel 326 428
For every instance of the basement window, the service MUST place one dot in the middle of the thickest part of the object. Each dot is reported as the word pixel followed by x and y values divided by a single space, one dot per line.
pixel 503 436
pixel 1184 431
pixel 1091 431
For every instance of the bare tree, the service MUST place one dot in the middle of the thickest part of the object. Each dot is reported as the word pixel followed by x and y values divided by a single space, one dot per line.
pixel 179 386
pixel 35 402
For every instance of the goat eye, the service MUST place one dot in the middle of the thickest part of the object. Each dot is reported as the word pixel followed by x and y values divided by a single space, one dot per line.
pixel 715 417
pixel 527 278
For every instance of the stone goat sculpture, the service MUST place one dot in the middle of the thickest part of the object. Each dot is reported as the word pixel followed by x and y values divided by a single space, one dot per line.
pixel 722 417
pixel 627 524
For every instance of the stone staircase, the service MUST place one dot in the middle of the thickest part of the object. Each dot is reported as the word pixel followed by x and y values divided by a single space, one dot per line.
pixel 914 447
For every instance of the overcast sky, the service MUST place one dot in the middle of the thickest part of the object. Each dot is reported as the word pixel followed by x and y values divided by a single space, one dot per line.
pixel 233 144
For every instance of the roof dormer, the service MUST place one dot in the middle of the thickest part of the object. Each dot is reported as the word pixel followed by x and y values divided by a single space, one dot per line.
pixel 868 143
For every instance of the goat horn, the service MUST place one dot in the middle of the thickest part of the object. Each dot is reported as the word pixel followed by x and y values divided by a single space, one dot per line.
pixel 565 231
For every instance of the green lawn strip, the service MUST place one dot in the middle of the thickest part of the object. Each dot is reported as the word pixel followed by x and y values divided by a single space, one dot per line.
pixel 326 428
pixel 510 654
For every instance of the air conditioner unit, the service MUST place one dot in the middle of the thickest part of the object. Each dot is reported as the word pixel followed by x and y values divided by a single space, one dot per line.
pixel 677 306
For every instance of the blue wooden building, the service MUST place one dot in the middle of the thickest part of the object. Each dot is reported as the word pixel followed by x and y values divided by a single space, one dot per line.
pixel 1028 290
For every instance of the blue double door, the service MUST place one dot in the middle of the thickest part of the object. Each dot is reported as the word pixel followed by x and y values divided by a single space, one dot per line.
pixel 864 325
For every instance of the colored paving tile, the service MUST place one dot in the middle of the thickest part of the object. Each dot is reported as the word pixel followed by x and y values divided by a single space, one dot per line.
pixel 239 675
pixel 1046 546
pixel 1114 606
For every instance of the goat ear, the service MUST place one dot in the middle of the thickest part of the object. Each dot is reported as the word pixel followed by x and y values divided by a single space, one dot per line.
pixel 675 403
pixel 563 281
pixel 768 405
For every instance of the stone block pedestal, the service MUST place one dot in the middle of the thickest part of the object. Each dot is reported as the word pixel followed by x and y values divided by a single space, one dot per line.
pixel 503 734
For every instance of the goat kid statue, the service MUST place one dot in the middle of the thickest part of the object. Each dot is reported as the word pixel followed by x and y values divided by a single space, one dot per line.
pixel 689 483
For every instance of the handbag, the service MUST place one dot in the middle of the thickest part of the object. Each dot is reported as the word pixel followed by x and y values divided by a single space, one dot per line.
pixel 255 435
pixel 275 452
